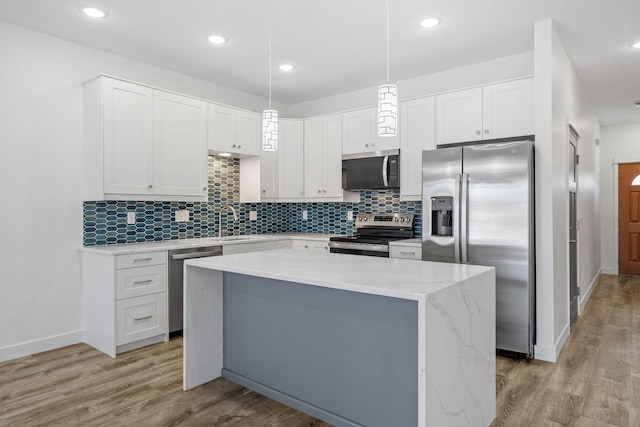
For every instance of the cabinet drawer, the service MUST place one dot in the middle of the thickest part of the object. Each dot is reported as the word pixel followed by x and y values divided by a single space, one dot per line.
pixel 283 244
pixel 247 247
pixel 318 246
pixel 141 259
pixel 300 244
pixel 141 317
pixel 406 252
pixel 135 282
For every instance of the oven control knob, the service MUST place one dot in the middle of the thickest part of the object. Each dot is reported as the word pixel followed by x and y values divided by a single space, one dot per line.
pixel 402 220
pixel 366 218
pixel 359 218
pixel 396 219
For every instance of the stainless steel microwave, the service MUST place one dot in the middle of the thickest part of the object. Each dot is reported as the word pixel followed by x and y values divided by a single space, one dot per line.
pixel 378 170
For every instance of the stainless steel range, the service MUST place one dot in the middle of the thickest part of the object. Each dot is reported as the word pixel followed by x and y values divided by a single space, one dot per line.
pixel 373 234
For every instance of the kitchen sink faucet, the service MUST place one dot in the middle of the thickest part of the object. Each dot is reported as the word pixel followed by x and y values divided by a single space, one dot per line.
pixel 235 217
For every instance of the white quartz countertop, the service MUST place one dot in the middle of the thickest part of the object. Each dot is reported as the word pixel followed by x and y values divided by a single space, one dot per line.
pixel 166 245
pixel 400 278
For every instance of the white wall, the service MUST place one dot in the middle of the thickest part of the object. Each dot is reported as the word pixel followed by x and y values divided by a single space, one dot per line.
pixel 40 178
pixel 560 100
pixel 619 144
pixel 507 68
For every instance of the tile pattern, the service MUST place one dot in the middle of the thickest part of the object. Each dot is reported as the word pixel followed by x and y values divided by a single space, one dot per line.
pixel 105 222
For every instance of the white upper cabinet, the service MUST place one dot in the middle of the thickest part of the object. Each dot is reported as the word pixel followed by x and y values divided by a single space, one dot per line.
pixel 459 116
pixel 417 133
pixel 322 157
pixel 360 133
pixel 501 110
pixel 128 137
pixel 291 158
pixel 142 143
pixel 180 145
pixel 233 131
pixel 508 109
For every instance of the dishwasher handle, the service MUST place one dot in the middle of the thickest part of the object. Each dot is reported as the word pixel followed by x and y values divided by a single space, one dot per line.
pixel 192 255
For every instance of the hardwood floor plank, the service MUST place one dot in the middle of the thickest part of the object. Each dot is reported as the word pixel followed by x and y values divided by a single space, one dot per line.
pixel 595 382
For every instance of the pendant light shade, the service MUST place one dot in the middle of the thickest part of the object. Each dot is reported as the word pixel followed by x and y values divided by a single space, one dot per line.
pixel 387 100
pixel 269 116
pixel 269 130
pixel 387 110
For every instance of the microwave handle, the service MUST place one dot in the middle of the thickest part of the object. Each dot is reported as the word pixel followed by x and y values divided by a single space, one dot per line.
pixel 385 166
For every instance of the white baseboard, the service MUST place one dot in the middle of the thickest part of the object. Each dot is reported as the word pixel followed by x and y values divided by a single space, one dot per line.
pixel 38 346
pixel 589 291
pixel 609 270
pixel 551 353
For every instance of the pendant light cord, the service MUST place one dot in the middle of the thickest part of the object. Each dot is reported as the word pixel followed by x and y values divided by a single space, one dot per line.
pixel 387 41
pixel 270 54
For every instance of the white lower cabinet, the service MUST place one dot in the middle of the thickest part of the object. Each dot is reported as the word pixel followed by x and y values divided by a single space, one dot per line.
pixel 405 252
pixel 141 317
pixel 240 248
pixel 124 300
pixel 311 245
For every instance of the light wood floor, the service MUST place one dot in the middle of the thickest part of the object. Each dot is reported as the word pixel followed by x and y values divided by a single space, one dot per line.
pixel 596 382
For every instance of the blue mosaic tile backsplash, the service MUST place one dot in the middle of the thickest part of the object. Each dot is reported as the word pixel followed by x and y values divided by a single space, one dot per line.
pixel 105 222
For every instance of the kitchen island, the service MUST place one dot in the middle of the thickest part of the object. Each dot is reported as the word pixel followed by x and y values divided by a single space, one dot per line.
pixel 351 340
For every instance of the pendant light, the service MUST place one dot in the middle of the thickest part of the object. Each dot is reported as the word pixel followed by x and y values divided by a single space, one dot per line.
pixel 270 116
pixel 387 100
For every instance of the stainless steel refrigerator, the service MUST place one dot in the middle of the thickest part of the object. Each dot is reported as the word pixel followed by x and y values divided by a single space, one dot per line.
pixel 478 208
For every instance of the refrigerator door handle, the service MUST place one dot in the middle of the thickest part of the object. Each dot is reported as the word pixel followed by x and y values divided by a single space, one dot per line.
pixel 464 218
pixel 456 219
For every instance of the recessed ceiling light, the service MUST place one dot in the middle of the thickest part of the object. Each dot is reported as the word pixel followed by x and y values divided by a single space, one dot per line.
pixel 429 22
pixel 217 39
pixel 636 45
pixel 286 67
pixel 224 154
pixel 94 12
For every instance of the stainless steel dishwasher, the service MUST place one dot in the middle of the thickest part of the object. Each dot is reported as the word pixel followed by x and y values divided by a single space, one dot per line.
pixel 176 261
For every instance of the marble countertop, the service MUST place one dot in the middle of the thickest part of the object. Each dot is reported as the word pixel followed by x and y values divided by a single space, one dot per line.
pixel 165 245
pixel 400 278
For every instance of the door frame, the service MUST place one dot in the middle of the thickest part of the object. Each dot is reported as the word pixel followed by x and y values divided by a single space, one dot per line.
pixel 572 130
pixel 615 163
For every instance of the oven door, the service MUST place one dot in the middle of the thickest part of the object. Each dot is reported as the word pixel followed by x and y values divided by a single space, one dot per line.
pixel 367 249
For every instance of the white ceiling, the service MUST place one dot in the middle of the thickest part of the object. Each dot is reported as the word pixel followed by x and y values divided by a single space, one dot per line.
pixel 339 45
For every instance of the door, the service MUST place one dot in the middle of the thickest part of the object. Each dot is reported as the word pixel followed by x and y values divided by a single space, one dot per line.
pixel 180 145
pixel 441 174
pixel 222 128
pixel 574 290
pixel 498 219
pixel 269 174
pixel 248 136
pixel 356 132
pixel 128 138
pixel 629 218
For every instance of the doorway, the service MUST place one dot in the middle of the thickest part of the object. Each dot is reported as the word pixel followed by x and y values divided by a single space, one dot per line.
pixel 629 218
pixel 574 289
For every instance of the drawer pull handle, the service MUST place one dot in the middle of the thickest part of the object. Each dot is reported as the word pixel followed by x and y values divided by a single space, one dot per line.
pixel 142 259
pixel 142 318
pixel 140 282
pixel 407 253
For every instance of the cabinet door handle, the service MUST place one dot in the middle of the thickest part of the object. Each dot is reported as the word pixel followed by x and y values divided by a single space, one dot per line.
pixel 324 191
pixel 204 188
pixel 140 282
pixel 486 131
pixel 142 318
pixel 319 191
pixel 478 132
pixel 234 146
pixel 239 147
pixel 366 145
pixel 150 185
pixel 142 259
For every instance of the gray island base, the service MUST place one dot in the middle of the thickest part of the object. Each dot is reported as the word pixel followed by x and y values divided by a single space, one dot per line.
pixel 346 339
